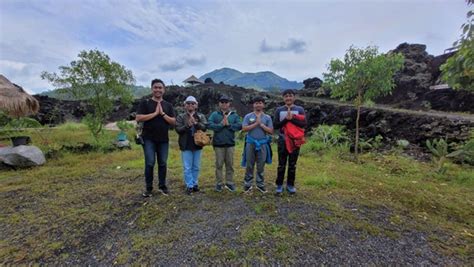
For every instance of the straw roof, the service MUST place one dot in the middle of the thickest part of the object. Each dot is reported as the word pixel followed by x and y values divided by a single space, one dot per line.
pixel 15 101
pixel 192 80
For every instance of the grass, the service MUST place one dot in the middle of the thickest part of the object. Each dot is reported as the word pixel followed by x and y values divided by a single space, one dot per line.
pixel 78 205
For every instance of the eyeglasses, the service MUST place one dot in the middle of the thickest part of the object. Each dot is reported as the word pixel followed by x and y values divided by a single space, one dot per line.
pixel 190 103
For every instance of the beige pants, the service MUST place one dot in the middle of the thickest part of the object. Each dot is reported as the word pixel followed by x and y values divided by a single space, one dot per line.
pixel 224 155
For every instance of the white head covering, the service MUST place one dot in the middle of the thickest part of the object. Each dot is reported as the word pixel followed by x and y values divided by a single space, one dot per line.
pixel 190 99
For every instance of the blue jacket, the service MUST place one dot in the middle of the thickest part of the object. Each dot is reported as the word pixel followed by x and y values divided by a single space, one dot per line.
pixel 258 143
pixel 224 136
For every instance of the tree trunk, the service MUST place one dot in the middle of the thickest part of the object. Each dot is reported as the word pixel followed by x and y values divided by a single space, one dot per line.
pixel 359 104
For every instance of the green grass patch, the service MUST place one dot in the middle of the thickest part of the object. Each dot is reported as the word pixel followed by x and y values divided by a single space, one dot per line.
pixel 52 213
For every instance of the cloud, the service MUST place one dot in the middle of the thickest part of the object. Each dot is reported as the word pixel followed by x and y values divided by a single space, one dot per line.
pixel 183 62
pixel 24 74
pixel 172 39
pixel 293 45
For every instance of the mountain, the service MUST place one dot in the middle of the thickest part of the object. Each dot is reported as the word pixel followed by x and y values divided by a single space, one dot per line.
pixel 264 80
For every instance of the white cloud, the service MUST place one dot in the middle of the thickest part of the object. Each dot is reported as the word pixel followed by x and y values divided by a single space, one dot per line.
pixel 172 40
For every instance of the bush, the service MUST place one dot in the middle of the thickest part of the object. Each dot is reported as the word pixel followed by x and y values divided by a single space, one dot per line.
pixel 326 137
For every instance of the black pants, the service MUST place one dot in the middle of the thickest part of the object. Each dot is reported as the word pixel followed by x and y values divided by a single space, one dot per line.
pixel 283 158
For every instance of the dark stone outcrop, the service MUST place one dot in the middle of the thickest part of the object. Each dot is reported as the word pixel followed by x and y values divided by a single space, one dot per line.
pixel 312 88
pixel 208 80
pixel 412 84
pixel 414 79
pixel 415 127
pixel 435 65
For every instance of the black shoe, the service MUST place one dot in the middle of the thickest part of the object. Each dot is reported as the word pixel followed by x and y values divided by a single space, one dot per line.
pixel 230 187
pixel 147 193
pixel 196 188
pixel 164 190
pixel 247 188
pixel 189 191
pixel 261 188
pixel 218 188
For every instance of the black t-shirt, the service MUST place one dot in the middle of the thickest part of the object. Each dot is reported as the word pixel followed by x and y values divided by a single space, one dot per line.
pixel 157 128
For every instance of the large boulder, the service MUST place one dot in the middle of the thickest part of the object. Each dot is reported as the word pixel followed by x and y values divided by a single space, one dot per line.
pixel 412 84
pixel 313 88
pixel 22 156
pixel 415 77
pixel 312 83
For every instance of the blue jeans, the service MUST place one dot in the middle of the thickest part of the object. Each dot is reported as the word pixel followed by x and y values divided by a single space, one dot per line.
pixel 191 163
pixel 153 150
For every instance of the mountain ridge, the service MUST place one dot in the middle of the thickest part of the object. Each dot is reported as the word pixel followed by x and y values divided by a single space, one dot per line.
pixel 263 80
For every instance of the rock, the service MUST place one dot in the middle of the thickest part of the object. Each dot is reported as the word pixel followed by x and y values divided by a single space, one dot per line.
pixel 390 124
pixel 312 88
pixel 22 156
pixel 412 84
pixel 312 83
pixel 208 80
pixel 123 144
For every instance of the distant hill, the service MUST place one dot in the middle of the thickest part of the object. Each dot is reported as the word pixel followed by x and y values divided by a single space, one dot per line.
pixel 137 91
pixel 265 80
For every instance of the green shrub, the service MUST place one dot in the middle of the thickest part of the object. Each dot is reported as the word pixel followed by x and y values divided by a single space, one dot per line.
pixel 371 143
pixel 124 125
pixel 439 150
pixel 464 152
pixel 326 137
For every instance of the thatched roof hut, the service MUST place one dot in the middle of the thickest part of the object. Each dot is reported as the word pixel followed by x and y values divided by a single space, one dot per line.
pixel 192 81
pixel 15 101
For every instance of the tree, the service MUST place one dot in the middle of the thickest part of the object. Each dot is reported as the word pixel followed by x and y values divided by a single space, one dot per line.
pixel 362 76
pixel 96 79
pixel 458 71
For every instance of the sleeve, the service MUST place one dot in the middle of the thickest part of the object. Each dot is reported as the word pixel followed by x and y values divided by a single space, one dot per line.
pixel 201 125
pixel 300 123
pixel 141 109
pixel 180 125
pixel 216 127
pixel 170 111
pixel 246 120
pixel 276 120
pixel 236 125
pixel 269 122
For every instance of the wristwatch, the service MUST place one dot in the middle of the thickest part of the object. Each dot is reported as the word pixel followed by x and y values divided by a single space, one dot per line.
pixel 163 114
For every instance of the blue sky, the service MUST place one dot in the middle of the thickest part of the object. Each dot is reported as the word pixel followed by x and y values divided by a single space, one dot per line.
pixel 173 39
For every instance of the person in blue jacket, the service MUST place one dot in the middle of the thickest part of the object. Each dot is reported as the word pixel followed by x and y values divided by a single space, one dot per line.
pixel 224 122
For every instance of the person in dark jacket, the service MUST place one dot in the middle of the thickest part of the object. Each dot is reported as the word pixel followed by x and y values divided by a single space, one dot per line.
pixel 283 115
pixel 187 123
pixel 157 116
pixel 224 122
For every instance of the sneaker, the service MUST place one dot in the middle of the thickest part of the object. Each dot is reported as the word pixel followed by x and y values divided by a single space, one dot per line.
pixel 218 187
pixel 147 193
pixel 230 187
pixel 196 188
pixel 279 189
pixel 189 190
pixel 164 190
pixel 247 188
pixel 261 188
pixel 291 189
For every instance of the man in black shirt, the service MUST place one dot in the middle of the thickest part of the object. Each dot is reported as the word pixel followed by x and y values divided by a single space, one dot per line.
pixel 158 116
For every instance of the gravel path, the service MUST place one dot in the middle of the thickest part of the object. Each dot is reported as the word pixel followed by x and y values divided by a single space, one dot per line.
pixel 209 228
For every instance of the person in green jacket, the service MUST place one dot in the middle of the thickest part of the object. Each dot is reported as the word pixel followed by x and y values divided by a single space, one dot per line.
pixel 224 122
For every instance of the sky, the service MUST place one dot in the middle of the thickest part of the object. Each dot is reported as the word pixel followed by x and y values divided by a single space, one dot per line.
pixel 172 40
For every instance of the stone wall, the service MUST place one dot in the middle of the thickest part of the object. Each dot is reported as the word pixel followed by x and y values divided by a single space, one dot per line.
pixel 415 127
